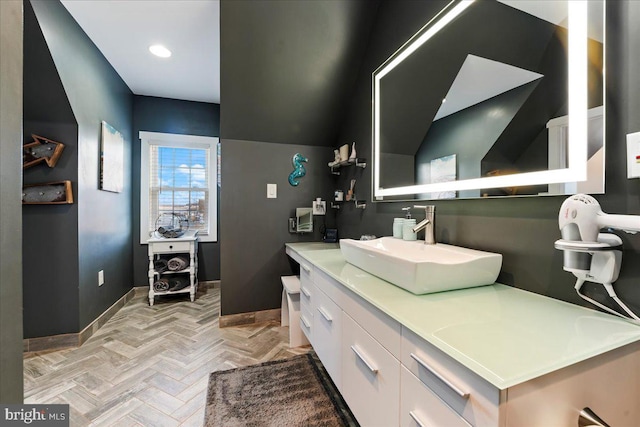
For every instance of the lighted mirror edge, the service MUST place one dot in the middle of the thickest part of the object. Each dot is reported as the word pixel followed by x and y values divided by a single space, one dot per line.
pixel 577 170
pixel 515 180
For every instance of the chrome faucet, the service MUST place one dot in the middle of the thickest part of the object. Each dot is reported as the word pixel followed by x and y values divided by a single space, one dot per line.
pixel 428 224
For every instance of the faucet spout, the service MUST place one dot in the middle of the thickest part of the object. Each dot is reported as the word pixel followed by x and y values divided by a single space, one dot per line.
pixel 428 224
pixel 421 225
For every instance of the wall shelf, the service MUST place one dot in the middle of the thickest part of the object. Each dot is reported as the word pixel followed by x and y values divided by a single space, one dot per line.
pixel 358 204
pixel 357 162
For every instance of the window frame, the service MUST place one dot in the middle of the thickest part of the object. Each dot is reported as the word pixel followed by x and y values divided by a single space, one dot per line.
pixel 148 139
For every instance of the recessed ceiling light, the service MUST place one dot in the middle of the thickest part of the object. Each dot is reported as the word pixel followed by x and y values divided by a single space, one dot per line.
pixel 159 50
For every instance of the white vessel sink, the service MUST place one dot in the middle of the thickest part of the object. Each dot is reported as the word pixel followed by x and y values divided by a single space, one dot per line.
pixel 420 268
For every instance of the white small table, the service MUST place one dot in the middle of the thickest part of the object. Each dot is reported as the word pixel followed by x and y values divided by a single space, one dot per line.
pixel 165 249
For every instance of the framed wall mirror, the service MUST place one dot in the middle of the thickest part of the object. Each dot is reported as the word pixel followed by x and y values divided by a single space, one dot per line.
pixel 493 98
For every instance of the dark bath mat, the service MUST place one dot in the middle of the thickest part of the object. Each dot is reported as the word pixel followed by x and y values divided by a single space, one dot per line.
pixel 289 392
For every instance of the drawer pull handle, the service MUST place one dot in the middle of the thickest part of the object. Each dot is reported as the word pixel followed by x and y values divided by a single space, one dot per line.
pixel 305 292
pixel 364 360
pixel 449 384
pixel 325 315
pixel 306 268
pixel 416 419
pixel 306 324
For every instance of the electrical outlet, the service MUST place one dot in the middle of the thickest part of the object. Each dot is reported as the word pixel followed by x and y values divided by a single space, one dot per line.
pixel 633 155
pixel 100 277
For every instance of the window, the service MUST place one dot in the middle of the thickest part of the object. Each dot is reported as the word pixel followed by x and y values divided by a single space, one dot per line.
pixel 178 174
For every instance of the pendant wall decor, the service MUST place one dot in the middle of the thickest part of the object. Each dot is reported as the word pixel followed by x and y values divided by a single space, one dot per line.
pixel 298 169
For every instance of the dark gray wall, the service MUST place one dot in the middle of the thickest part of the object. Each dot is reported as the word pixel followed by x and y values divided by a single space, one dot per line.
pixel 11 29
pixel 287 67
pixel 50 232
pixel 170 116
pixel 95 93
pixel 287 73
pixel 254 229
pixel 522 229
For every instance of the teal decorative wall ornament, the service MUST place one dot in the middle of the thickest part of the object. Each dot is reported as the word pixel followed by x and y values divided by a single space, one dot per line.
pixel 298 169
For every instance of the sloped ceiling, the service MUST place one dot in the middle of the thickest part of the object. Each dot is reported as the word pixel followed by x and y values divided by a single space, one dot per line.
pixel 124 30
pixel 288 68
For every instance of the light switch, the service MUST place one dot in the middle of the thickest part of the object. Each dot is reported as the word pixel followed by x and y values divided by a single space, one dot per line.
pixel 633 155
pixel 272 191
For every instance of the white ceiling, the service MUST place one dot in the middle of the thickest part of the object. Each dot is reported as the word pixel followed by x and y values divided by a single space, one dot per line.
pixel 124 30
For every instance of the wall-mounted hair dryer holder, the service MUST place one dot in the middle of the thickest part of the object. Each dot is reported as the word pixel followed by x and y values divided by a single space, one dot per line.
pixel 589 255
pixel 597 262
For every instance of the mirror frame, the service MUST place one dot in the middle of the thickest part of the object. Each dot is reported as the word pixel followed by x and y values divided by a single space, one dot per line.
pixel 577 88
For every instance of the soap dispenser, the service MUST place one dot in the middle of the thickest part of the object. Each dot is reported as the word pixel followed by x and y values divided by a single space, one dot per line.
pixel 407 226
pixel 398 223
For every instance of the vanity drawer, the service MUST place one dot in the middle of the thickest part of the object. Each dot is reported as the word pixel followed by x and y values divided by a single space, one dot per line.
pixel 171 247
pixel 380 326
pixel 327 335
pixel 306 323
pixel 421 407
pixel 465 392
pixel 307 291
pixel 370 377
pixel 306 272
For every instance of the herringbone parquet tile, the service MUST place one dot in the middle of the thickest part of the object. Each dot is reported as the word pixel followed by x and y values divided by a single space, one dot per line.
pixel 149 366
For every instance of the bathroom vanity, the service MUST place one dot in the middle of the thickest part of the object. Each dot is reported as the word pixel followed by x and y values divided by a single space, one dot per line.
pixel 486 356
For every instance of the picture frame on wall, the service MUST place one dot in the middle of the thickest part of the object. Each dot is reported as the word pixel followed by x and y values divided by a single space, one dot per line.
pixel 444 169
pixel 111 159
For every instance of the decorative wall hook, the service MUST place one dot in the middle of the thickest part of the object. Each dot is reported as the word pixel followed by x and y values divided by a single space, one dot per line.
pixel 299 170
pixel 41 150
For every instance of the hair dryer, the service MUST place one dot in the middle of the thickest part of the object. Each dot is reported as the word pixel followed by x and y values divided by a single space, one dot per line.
pixel 581 219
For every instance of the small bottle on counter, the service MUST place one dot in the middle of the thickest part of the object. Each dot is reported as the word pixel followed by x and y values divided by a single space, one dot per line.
pixel 397 227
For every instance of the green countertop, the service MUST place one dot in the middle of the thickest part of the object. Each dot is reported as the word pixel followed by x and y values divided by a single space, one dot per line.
pixel 504 334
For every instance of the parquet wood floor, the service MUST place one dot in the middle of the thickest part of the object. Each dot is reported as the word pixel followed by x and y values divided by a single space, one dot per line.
pixel 149 366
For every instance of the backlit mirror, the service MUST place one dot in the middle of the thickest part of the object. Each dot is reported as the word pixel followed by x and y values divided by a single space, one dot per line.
pixel 493 98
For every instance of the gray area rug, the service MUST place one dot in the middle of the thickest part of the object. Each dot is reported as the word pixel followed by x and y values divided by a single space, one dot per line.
pixel 289 392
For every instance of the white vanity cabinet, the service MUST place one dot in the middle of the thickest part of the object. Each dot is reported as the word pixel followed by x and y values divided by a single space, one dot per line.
pixel 307 291
pixel 421 407
pixel 390 375
pixel 370 377
pixel 327 334
pixel 473 398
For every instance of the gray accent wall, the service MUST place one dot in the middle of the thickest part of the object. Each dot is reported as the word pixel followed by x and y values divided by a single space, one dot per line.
pixel 170 116
pixel 254 229
pixel 11 29
pixel 96 93
pixel 522 229
pixel 287 68
pixel 287 75
pixel 50 232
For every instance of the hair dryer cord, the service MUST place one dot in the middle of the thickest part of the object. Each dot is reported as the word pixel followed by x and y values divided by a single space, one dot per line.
pixel 578 287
